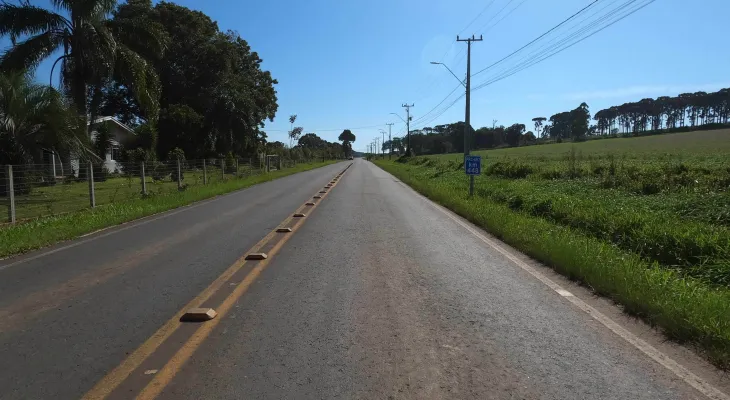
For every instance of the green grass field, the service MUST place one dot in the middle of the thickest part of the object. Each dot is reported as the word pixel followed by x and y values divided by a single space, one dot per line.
pixel 73 196
pixel 643 220
pixel 677 145
pixel 39 232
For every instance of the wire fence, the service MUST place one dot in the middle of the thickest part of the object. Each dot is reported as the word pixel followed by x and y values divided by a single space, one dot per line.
pixel 37 190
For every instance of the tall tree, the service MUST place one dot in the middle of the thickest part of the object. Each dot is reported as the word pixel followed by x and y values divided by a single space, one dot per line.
pixel 580 122
pixel 292 120
pixel 294 135
pixel 514 134
pixel 94 51
pixel 312 141
pixel 215 97
pixel 560 126
pixel 347 137
pixel 538 124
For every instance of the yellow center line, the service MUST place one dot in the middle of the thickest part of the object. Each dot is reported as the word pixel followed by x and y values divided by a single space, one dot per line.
pixel 173 366
pixel 120 373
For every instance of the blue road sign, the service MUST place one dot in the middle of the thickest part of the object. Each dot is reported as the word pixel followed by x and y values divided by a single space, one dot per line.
pixel 473 165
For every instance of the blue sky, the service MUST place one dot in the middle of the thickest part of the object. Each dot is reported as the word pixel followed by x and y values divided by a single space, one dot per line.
pixel 349 64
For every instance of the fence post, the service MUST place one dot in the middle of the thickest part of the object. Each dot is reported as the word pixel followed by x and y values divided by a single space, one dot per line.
pixel 11 195
pixel 92 195
pixel 179 175
pixel 223 169
pixel 205 174
pixel 144 180
pixel 237 167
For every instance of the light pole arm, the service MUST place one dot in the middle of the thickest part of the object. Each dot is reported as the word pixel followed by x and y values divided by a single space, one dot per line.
pixel 401 118
pixel 452 72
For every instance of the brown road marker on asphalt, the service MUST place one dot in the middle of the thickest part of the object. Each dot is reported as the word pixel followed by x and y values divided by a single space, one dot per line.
pixel 132 369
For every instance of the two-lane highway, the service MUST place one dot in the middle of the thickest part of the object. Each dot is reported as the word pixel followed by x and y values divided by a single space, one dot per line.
pixel 378 293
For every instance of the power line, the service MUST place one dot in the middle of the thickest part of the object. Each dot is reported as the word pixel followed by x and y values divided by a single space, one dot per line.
pixel 460 56
pixel 441 112
pixel 538 38
pixel 538 55
pixel 530 61
pixel 462 51
pixel 551 44
pixel 495 15
pixel 436 106
pixel 509 72
pixel 478 15
pixel 505 16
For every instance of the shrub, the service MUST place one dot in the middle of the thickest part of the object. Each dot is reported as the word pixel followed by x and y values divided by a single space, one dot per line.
pixel 231 162
pixel 509 169
pixel 173 157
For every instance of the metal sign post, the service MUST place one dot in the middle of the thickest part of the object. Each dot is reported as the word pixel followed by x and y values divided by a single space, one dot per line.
pixel 472 167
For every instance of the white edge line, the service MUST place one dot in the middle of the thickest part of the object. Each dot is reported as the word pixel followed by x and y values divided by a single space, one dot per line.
pixel 123 227
pixel 662 359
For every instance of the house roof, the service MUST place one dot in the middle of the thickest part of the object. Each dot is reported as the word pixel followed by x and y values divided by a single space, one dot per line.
pixel 113 120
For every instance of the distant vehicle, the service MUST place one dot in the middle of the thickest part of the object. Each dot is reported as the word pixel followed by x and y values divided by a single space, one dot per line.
pixel 350 158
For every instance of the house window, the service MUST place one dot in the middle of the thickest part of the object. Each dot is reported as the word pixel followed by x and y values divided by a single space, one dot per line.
pixel 116 153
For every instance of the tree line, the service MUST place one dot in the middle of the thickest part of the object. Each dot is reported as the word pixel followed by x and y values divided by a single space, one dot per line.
pixel 688 109
pixel 685 112
pixel 167 71
pixel 311 146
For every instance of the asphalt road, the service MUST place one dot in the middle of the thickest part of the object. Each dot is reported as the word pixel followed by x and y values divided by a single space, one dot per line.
pixel 377 295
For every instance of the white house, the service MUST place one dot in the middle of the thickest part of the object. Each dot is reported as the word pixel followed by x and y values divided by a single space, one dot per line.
pixel 120 134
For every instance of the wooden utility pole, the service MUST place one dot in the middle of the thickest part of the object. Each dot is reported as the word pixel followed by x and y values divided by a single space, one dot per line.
pixel 408 127
pixel 467 117
pixel 390 140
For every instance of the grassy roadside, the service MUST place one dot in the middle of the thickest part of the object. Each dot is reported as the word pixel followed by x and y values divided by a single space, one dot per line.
pixel 16 239
pixel 685 309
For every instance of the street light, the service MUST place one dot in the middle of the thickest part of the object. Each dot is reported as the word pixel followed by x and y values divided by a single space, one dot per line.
pixel 452 72
pixel 401 118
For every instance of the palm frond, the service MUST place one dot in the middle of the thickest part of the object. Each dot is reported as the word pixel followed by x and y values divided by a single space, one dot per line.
pixel 93 9
pixel 26 20
pixel 135 73
pixel 34 116
pixel 143 35
pixel 66 5
pixel 99 50
pixel 29 53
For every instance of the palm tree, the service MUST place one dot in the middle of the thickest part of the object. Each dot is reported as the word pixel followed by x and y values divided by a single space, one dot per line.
pixel 292 119
pixel 33 119
pixel 94 49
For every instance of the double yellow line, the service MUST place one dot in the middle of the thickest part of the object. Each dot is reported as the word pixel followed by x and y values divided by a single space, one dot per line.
pixel 132 374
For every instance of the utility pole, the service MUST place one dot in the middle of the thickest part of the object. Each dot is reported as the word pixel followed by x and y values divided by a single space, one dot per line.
pixel 382 150
pixel 390 140
pixel 467 117
pixel 408 127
